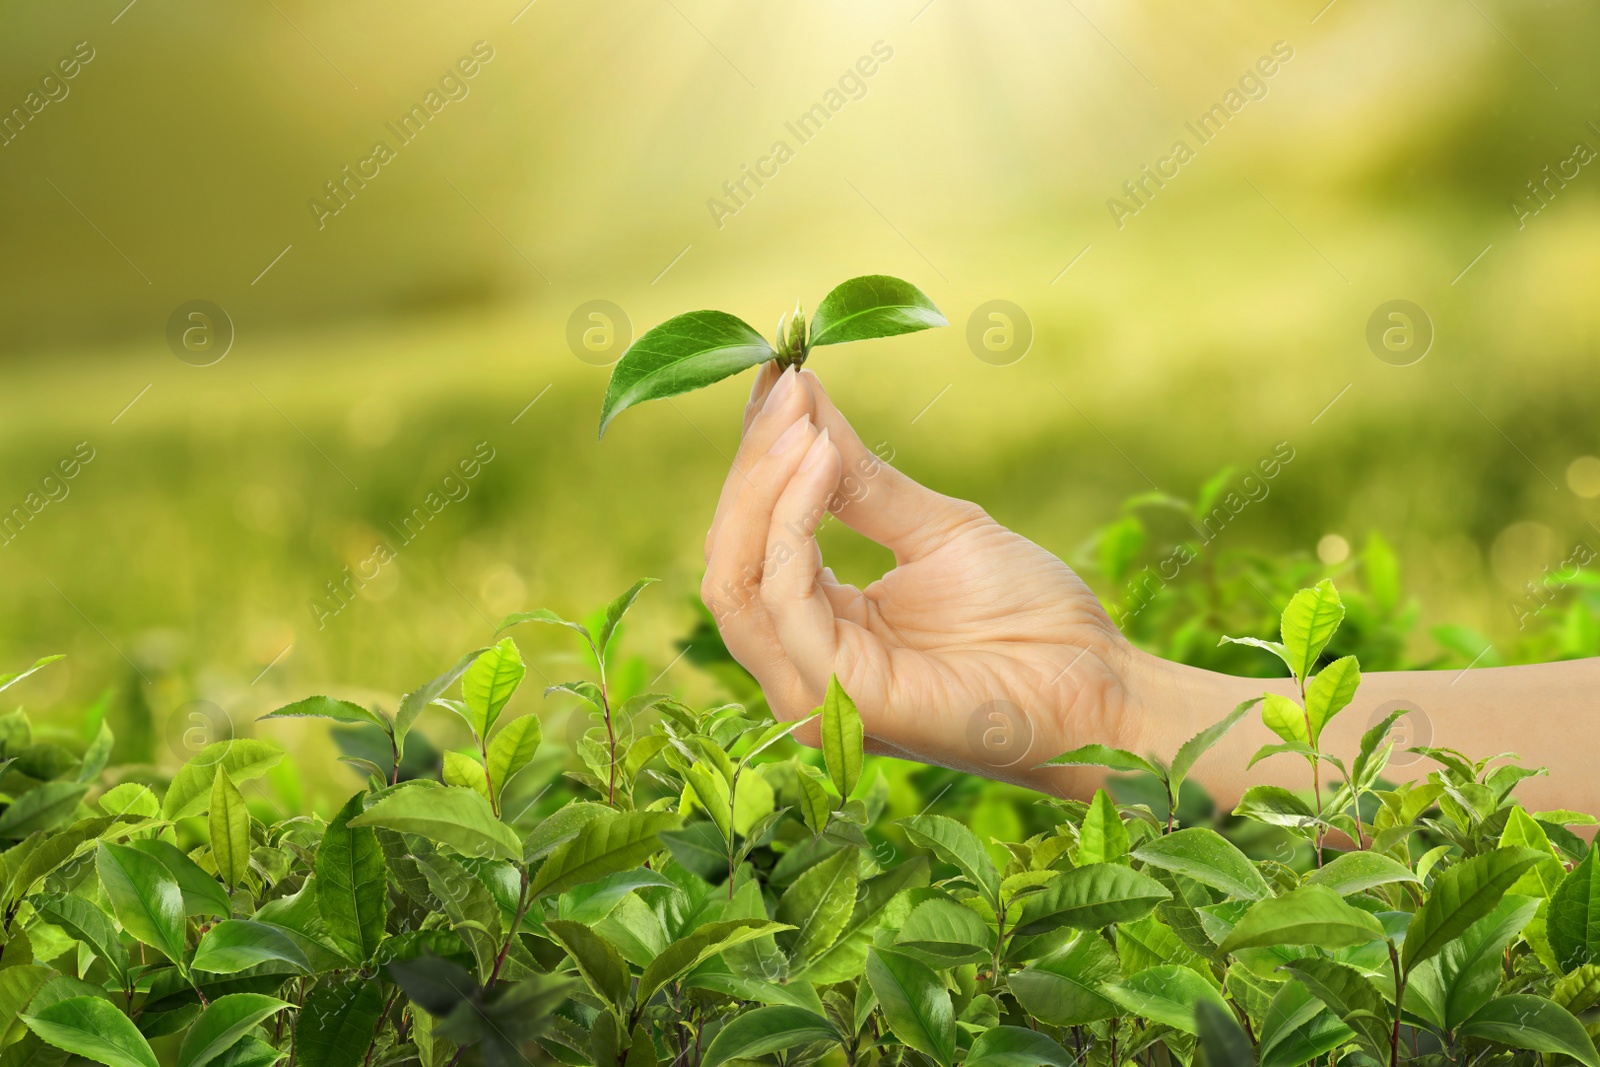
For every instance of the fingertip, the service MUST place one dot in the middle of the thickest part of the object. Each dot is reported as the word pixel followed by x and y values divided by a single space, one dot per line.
pixel 821 449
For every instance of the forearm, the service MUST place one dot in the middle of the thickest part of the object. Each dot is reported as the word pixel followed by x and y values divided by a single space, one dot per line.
pixel 1542 712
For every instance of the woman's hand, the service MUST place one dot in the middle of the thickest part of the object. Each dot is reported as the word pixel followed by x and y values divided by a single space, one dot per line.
pixel 979 650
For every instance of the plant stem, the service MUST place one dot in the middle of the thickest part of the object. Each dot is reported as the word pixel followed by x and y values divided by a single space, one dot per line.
pixel 523 903
pixel 1316 778
pixel 611 733
pixel 372 1046
pixel 1399 996
pixel 733 795
pixel 488 779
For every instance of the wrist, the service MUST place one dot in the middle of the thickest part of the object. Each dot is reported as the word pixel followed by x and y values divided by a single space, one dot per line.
pixel 1168 702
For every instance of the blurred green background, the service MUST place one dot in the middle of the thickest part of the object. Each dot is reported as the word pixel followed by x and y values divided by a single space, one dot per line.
pixel 1385 158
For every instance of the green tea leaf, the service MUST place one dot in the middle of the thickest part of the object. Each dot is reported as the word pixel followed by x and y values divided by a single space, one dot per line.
pixel 1017 1046
pixel 1356 872
pixel 957 845
pixel 1222 1042
pixel 250 1051
pixel 944 934
pixel 617 609
pixel 1198 745
pixel 351 883
pixel 202 893
pixel 97 754
pixel 814 803
pixel 225 1022
pixel 598 960
pixel 241 759
pixel 413 703
pixel 336 1022
pixel 1540 881
pixel 1330 692
pixel 1090 898
pixel 1167 994
pixel 1102 838
pixel 765 1030
pixel 1269 646
pixel 1525 1021
pixel 130 798
pixel 1063 987
pixel 44 807
pixel 85 922
pixel 844 959
pixel 1299 1028
pixel 1574 920
pixel 915 1002
pixel 710 791
pixel 230 830
pixel 772 735
pixel 145 897
pixel 602 847
pixel 1307 625
pixel 841 737
pixel 1310 915
pixel 489 683
pixel 1469 970
pixel 9 680
pixel 687 953
pixel 1116 759
pixel 874 305
pixel 593 901
pixel 1209 858
pixel 459 818
pixel 92 1028
pixel 818 904
pixel 1461 896
pixel 1352 997
pixel 235 945
pixel 512 749
pixel 1285 718
pixel 18 985
pixel 1275 806
pixel 466 772
pixel 701 848
pixel 323 707
pixel 685 353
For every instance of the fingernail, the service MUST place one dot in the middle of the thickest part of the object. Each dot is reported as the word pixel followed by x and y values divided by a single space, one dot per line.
pixel 819 448
pixel 790 437
pixel 828 576
pixel 780 391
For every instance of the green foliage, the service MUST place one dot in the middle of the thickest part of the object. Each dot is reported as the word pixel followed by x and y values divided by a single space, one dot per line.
pixel 693 350
pixel 702 890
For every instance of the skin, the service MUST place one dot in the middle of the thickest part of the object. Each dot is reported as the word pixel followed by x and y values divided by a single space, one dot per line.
pixel 982 652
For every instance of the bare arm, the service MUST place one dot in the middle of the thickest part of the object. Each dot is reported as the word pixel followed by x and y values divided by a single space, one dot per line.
pixel 982 652
pixel 1542 712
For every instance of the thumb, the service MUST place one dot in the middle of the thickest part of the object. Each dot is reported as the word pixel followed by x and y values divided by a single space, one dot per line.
pixel 880 502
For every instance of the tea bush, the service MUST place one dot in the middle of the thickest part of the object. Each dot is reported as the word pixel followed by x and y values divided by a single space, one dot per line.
pixel 704 891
